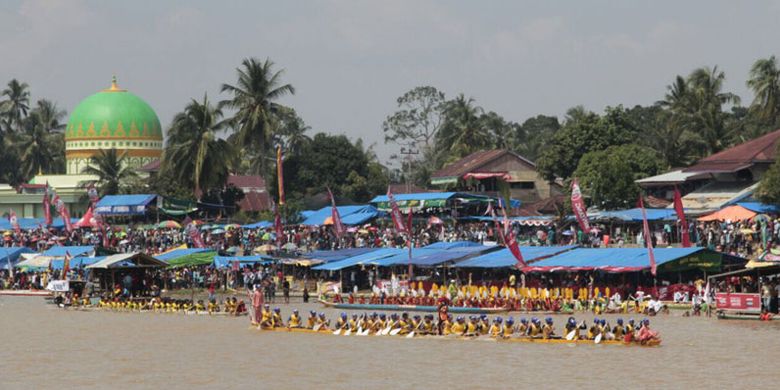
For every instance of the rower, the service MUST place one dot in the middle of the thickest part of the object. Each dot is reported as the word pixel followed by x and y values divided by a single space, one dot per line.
pixel 266 319
pixel 322 322
pixel 630 330
pixel 277 318
pixel 427 325
pixel 394 322
pixel 312 320
pixel 509 327
pixel 484 325
pixel 548 330
pixel 523 327
pixel 495 328
pixel 459 326
pixel 295 320
pixel 353 323
pixel 619 330
pixel 405 323
pixel 645 335
pixel 472 328
pixel 594 330
pixel 341 323
pixel 368 323
pixel 604 328
pixel 380 323
pixel 534 328
pixel 415 323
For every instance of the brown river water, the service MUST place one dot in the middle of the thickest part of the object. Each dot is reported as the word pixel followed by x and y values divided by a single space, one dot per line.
pixel 42 346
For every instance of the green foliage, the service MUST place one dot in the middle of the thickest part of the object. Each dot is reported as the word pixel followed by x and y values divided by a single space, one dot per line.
pixel 768 190
pixel 583 132
pixel 607 176
pixel 534 134
pixel 111 170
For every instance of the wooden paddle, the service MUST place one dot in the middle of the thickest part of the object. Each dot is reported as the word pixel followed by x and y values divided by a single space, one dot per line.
pixel 395 331
pixel 411 334
pixel 571 335
pixel 317 327
pixel 348 332
pixel 597 340
pixel 337 332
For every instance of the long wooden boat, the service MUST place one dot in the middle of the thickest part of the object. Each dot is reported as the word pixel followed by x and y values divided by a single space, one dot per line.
pixel 482 338
pixel 26 293
pixel 428 309
pixel 744 316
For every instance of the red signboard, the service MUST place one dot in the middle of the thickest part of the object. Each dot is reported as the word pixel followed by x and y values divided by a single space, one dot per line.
pixel 738 301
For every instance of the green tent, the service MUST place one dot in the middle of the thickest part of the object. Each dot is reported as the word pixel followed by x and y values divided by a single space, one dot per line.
pixel 200 258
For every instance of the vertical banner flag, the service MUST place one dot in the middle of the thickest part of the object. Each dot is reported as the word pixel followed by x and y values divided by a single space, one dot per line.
pixel 510 239
pixel 395 213
pixel 678 207
pixel 648 239
pixel 47 205
pixel 410 242
pixel 338 227
pixel 578 206
pixel 14 222
pixel 280 174
pixel 63 211
pixel 66 266
pixel 278 227
pixel 194 234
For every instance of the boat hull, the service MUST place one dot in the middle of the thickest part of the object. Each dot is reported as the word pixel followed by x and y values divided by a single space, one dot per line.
pixel 427 309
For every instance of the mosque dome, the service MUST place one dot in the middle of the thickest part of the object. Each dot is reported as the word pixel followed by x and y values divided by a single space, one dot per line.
pixel 112 119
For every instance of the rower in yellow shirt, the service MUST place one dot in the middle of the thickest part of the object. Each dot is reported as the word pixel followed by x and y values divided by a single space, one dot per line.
pixel 523 327
pixel 508 328
pixel 534 328
pixel 427 325
pixel 619 330
pixel 341 323
pixel 472 327
pixel 495 328
pixel 312 320
pixel 277 318
pixel 352 324
pixel 594 329
pixel 459 326
pixel 295 320
pixel 548 330
pixel 266 318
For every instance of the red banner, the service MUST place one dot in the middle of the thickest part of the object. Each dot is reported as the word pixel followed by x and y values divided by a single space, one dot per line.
pixel 47 205
pixel 578 206
pixel 648 238
pixel 278 228
pixel 14 222
pixel 280 174
pixel 678 208
pixel 66 266
pixel 63 211
pixel 338 227
pixel 507 234
pixel 738 301
pixel 395 213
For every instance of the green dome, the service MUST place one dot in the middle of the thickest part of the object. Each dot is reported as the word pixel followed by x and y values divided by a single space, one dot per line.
pixel 113 114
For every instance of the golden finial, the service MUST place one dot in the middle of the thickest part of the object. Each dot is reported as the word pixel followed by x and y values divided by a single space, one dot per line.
pixel 114 86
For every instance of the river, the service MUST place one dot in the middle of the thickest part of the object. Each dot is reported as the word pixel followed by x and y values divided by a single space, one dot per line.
pixel 43 346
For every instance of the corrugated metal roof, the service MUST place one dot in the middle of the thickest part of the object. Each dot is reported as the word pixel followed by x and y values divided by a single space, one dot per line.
pixel 678 176
pixel 762 149
pixel 474 161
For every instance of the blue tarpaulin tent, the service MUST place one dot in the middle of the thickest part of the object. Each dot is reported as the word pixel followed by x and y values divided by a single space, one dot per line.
pixel 124 204
pixel 258 225
pixel 759 207
pixel 450 245
pixel 350 215
pixel 34 223
pixel 610 259
pixel 78 262
pixel 12 254
pixel 432 199
pixel 433 257
pixel 635 215
pixel 365 258
pixel 227 261
pixel 336 255
pixel 503 258
pixel 74 251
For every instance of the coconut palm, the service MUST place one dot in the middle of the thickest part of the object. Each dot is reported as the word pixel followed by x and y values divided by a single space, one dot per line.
pixel 16 104
pixel 41 149
pixel 765 82
pixel 254 98
pixel 194 152
pixel 111 170
pixel 462 132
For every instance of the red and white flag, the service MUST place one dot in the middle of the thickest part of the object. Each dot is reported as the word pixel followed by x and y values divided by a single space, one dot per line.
pixel 66 265
pixel 14 222
pixel 578 206
pixel 648 239
pixel 395 213
pixel 63 211
pixel 678 207
pixel 278 227
pixel 47 204
pixel 338 227
pixel 510 239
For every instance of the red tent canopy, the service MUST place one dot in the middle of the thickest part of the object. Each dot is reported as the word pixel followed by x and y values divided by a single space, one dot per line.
pixel 87 221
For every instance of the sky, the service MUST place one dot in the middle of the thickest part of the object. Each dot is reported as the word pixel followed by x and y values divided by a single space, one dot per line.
pixel 350 60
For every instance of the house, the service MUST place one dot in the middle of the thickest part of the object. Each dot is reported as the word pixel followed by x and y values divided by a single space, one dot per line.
pixel 256 196
pixel 720 179
pixel 495 172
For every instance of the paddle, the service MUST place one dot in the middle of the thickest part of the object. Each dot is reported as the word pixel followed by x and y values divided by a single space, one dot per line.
pixel 337 332
pixel 317 327
pixel 597 340
pixel 348 332
pixel 411 334
pixel 395 331
pixel 571 335
pixel 365 332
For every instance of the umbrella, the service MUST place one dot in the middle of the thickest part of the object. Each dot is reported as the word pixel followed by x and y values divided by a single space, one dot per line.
pixel 290 246
pixel 169 225
pixel 265 248
pixel 746 231
pixel 568 233
pixel 218 231
pixel 233 226
pixel 205 227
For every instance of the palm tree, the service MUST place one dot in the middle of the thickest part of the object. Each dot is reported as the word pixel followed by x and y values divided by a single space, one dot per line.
pixel 292 132
pixel 41 149
pixel 462 131
pixel 254 99
pixel 111 170
pixel 194 152
pixel 16 104
pixel 765 82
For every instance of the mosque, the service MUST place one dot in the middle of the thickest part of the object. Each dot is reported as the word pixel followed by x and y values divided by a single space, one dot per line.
pixel 109 119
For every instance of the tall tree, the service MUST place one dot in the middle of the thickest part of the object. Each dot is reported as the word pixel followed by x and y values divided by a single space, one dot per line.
pixel 764 80
pixel 418 119
pixel 15 105
pixel 254 97
pixel 194 151
pixel 111 170
pixel 462 132
pixel 531 137
pixel 41 144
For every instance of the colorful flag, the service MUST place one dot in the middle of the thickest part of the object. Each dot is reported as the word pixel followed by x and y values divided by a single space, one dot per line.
pixel 47 205
pixel 14 222
pixel 278 227
pixel 63 211
pixel 338 227
pixel 280 174
pixel 678 207
pixel 510 239
pixel 578 206
pixel 648 240
pixel 194 233
pixel 395 213
pixel 66 266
